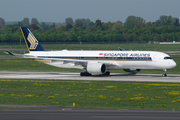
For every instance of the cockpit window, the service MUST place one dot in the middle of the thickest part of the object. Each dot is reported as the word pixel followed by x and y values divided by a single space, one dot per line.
pixel 166 58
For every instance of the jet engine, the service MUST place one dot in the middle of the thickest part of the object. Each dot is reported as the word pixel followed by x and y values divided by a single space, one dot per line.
pixel 132 71
pixel 96 68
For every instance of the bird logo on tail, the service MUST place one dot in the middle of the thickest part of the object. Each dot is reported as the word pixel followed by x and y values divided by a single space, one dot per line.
pixel 32 41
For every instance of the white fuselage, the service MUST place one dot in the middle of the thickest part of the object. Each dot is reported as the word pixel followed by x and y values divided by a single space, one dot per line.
pixel 119 59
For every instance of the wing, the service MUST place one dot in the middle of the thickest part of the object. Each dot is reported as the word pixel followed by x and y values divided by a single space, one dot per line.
pixel 83 63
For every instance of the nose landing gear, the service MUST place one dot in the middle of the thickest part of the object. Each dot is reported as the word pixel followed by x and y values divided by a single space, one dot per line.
pixel 164 74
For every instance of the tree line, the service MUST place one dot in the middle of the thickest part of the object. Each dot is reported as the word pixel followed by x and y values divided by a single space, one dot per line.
pixel 135 29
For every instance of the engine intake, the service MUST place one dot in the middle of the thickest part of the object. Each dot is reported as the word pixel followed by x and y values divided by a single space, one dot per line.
pixel 96 68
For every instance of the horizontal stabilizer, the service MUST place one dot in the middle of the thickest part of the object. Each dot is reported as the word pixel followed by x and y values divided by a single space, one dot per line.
pixel 18 55
pixel 9 53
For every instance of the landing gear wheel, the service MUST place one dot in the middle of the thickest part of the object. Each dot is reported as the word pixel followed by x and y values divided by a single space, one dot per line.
pixel 107 73
pixel 85 74
pixel 164 75
pixel 81 74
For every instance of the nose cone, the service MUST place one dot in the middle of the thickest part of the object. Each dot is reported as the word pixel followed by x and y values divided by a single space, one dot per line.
pixel 173 64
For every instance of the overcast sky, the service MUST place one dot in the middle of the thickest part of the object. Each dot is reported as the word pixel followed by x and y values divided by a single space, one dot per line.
pixel 105 10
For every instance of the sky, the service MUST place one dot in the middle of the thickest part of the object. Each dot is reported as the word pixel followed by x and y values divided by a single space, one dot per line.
pixel 105 10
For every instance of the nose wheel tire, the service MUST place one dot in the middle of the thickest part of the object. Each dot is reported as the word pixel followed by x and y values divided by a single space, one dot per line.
pixel 164 75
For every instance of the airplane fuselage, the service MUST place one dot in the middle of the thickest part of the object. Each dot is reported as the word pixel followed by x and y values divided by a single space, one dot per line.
pixel 121 59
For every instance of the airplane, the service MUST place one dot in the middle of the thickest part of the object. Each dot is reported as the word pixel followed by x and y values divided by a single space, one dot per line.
pixel 96 62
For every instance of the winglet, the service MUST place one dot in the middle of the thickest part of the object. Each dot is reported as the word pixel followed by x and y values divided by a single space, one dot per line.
pixel 31 42
pixel 19 55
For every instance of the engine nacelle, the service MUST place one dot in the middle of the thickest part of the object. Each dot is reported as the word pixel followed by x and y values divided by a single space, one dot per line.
pixel 132 71
pixel 96 68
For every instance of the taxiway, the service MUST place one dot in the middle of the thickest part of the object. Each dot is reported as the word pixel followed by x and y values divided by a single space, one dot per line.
pixel 76 76
pixel 40 112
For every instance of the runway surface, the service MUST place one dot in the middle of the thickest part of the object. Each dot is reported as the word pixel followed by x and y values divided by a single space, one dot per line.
pixel 76 76
pixel 60 113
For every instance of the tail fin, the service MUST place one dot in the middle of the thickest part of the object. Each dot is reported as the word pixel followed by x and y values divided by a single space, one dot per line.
pixel 120 49
pixel 31 42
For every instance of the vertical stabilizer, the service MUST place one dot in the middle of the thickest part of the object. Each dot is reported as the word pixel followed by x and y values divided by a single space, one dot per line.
pixel 31 42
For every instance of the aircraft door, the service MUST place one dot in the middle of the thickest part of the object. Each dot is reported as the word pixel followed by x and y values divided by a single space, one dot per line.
pixel 79 56
pixel 124 58
pixel 154 58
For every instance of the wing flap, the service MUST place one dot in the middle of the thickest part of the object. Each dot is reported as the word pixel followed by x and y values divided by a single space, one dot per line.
pixel 84 62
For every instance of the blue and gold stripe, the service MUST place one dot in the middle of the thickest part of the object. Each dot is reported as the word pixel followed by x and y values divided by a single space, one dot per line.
pixel 99 58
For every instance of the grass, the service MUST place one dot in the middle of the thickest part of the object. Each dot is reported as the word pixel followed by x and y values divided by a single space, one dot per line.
pixel 144 47
pixel 92 94
pixel 30 65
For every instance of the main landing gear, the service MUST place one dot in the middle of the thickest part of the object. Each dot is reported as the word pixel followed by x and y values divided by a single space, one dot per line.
pixel 107 73
pixel 164 74
pixel 89 74
pixel 85 74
